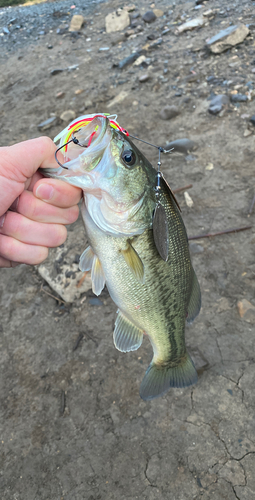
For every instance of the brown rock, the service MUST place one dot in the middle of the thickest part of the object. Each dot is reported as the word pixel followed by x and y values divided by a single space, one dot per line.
pixel 77 22
pixel 246 310
pixel 225 39
pixel 169 112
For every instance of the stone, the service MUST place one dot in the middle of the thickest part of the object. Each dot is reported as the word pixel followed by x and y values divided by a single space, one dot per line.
pixel 76 23
pixel 79 91
pixel 139 60
pixel 183 146
pixel 195 248
pixel 117 21
pixel 238 98
pixel 190 25
pixel 56 71
pixel 252 119
pixel 68 115
pixel 50 122
pixel 188 200
pixel 129 8
pixel 128 60
pixel 247 132
pixel 144 78
pixel 60 95
pixel 169 112
pixel 158 12
pixel 149 17
pixel 218 103
pixel 119 98
pixel 246 311
pixel 225 39
pixel 117 38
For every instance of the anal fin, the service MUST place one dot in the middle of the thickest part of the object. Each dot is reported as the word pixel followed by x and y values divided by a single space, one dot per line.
pixel 134 262
pixel 194 305
pixel 126 336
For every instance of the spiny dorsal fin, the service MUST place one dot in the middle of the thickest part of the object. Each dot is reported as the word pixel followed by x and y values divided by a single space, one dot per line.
pixel 86 259
pixel 97 276
pixel 126 336
pixel 134 262
pixel 160 231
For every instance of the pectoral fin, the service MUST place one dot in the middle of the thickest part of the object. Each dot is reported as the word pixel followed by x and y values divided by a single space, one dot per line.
pixel 134 262
pixel 195 299
pixel 86 259
pixel 126 336
pixel 97 276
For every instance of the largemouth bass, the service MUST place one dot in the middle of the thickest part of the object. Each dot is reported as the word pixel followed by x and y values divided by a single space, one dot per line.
pixel 155 296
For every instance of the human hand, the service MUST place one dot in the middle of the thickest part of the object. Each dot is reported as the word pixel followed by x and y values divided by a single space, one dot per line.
pixel 33 209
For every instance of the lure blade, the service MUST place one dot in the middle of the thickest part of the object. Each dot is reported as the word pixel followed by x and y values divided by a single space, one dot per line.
pixel 160 231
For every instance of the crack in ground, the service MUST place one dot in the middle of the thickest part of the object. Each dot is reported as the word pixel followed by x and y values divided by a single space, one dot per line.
pixel 145 472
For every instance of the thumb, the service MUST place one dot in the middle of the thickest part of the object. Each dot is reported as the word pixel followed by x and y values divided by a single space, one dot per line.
pixel 18 163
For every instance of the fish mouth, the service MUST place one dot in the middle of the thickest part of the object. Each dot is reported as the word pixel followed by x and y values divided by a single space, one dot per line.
pixel 82 145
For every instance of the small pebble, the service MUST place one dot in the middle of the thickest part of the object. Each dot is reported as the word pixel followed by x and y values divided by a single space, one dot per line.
pixel 68 115
pixel 149 16
pixel 144 78
pixel 252 120
pixel 188 199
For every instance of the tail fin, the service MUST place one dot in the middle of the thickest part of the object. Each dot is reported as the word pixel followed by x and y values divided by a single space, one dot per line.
pixel 158 380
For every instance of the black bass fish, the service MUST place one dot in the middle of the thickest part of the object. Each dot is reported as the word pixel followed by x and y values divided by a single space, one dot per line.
pixel 122 213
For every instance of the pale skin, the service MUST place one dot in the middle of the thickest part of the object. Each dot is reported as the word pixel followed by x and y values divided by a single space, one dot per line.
pixel 33 210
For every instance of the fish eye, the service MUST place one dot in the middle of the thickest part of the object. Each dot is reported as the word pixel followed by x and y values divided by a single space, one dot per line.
pixel 129 157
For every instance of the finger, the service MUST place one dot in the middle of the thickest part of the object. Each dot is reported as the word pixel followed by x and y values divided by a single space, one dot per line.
pixel 16 251
pixel 39 211
pixel 57 193
pixel 19 162
pixel 31 232
pixel 7 263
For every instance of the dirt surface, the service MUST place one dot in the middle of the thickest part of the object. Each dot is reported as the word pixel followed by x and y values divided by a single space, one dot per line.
pixel 73 426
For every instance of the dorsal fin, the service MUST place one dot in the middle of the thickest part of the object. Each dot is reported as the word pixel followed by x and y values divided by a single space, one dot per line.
pixel 134 262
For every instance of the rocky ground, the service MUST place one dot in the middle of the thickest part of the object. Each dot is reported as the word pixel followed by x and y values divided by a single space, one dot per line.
pixel 72 424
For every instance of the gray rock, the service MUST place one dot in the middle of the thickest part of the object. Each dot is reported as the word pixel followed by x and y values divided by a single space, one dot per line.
pixel 149 16
pixel 169 112
pixel 195 248
pixel 252 119
pixel 144 78
pixel 129 60
pixel 225 39
pixel 218 103
pixel 190 25
pixel 239 98
pixel 68 115
pixel 56 71
pixel 183 146
pixel 47 123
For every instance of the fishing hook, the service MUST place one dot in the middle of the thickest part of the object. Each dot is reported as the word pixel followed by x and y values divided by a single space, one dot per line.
pixel 75 141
